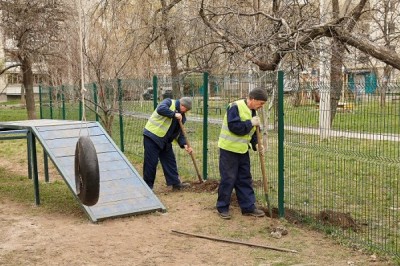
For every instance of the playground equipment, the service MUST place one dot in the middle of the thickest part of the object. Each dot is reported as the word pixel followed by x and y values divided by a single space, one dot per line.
pixel 122 191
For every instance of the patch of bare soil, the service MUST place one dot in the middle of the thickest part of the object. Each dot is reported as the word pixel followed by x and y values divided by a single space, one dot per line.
pixel 338 219
pixel 28 237
pixel 206 186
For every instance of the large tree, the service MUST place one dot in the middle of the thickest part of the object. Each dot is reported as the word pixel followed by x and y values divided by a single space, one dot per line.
pixel 164 25
pixel 31 28
pixel 282 34
pixel 286 32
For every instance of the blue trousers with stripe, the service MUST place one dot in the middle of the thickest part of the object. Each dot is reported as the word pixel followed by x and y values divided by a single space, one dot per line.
pixel 153 153
pixel 234 169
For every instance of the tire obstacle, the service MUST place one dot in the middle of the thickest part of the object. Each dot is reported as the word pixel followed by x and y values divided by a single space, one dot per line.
pixel 120 190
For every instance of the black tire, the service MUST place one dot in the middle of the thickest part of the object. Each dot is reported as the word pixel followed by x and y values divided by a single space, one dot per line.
pixel 87 174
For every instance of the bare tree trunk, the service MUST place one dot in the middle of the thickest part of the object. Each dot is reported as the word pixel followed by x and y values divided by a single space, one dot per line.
pixel 336 81
pixel 27 80
pixel 336 77
pixel 171 46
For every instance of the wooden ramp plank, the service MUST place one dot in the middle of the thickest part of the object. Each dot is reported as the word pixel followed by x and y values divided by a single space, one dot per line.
pixel 122 191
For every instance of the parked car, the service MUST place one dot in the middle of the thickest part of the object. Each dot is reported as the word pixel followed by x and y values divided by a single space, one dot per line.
pixel 166 92
pixel 148 94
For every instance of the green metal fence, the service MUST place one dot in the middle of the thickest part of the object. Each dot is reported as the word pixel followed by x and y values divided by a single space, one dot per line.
pixel 342 176
pixel 345 176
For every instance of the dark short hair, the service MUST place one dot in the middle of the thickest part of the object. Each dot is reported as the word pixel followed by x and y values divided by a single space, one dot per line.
pixel 258 94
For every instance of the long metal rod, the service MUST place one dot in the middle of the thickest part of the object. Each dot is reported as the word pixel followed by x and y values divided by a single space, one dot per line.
pixel 234 241
pixel 46 167
pixel 281 152
pixel 32 140
pixel 205 125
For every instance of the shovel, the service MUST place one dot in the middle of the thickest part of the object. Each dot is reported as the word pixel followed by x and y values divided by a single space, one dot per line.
pixel 264 175
pixel 191 154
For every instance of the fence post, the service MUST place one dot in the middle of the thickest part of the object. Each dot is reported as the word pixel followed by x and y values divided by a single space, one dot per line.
pixel 63 102
pixel 96 107
pixel 40 101
pixel 120 110
pixel 32 144
pixel 281 132
pixel 205 124
pixel 155 87
pixel 80 109
pixel 51 101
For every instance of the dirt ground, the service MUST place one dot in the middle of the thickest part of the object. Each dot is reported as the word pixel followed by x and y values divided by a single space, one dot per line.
pixel 44 238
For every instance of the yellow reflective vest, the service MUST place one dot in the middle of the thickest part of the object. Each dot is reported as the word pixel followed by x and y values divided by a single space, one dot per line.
pixel 158 124
pixel 230 141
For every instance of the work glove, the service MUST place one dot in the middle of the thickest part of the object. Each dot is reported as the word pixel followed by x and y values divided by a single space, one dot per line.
pixel 255 121
pixel 260 149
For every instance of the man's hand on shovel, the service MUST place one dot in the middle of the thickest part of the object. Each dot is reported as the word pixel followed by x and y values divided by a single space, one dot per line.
pixel 188 149
pixel 260 149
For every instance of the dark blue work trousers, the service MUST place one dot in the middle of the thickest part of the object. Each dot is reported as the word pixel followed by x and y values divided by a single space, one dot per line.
pixel 234 169
pixel 153 153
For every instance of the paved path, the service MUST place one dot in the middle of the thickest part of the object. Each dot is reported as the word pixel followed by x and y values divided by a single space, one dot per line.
pixel 304 130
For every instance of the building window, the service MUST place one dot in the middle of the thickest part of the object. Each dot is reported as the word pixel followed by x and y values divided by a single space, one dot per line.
pixel 14 78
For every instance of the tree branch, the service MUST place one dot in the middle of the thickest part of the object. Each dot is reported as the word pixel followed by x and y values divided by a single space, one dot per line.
pixel 9 67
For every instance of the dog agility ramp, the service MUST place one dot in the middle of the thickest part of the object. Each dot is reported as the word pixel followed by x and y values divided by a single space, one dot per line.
pixel 122 191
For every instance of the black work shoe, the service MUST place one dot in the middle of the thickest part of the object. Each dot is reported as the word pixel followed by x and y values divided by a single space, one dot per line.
pixel 180 186
pixel 225 215
pixel 255 213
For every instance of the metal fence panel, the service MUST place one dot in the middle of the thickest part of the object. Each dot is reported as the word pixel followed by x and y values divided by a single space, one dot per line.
pixel 346 178
pixel 342 175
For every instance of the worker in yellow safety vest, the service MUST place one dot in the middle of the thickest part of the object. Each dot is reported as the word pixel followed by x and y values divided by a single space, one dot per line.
pixel 237 136
pixel 160 130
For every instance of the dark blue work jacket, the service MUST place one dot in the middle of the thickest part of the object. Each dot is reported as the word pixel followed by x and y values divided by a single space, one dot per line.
pixel 174 131
pixel 239 127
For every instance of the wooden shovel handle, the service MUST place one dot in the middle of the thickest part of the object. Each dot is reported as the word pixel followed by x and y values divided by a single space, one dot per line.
pixel 263 171
pixel 191 154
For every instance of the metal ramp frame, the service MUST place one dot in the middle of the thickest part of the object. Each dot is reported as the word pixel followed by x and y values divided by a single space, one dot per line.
pixel 122 191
